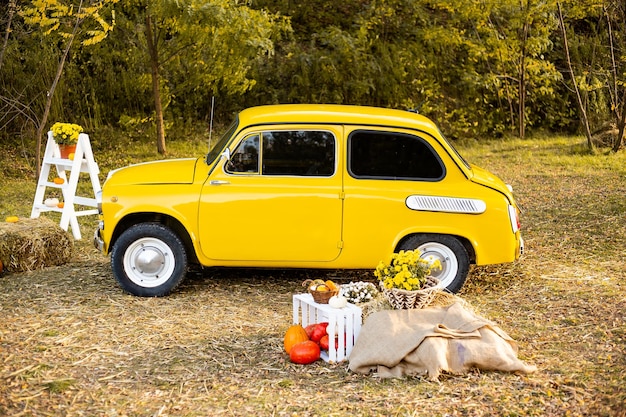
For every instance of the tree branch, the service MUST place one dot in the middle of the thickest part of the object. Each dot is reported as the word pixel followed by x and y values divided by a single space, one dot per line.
pixel 584 119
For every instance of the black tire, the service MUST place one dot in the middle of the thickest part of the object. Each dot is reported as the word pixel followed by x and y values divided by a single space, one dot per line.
pixel 149 260
pixel 449 251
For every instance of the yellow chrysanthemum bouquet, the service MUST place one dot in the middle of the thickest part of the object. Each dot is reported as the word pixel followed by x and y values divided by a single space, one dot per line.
pixel 66 133
pixel 405 271
pixel 405 275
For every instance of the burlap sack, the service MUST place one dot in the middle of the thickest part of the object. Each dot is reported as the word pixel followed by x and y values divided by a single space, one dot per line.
pixel 394 343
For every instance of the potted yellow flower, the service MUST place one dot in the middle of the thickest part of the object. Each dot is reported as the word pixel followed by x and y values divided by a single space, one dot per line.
pixel 66 136
pixel 405 280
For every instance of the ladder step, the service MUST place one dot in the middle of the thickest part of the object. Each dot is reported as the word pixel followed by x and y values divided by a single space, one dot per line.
pixel 44 208
pixel 65 163
pixel 68 164
pixel 53 185
pixel 81 201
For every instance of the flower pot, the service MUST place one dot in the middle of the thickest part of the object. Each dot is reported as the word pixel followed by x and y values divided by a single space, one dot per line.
pixel 403 299
pixel 66 150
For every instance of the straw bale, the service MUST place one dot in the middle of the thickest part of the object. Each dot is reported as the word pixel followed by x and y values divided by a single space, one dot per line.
pixel 32 244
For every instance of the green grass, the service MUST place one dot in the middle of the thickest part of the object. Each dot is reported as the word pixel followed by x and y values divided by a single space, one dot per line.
pixel 71 342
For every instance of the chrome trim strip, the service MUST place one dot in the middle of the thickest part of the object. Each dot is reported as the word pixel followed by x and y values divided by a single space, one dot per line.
pixel 446 204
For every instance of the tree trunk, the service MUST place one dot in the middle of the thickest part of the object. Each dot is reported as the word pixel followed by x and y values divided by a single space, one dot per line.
pixel 522 76
pixel 156 92
pixel 50 95
pixel 581 107
pixel 621 125
pixel 522 102
pixel 619 109
pixel 511 103
pixel 12 7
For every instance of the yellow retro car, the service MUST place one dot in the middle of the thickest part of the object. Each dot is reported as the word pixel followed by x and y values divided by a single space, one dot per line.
pixel 307 186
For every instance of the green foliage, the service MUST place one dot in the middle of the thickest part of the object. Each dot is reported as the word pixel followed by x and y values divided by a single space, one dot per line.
pixel 64 18
pixel 461 64
pixel 474 66
pixel 34 58
pixel 226 40
pixel 204 49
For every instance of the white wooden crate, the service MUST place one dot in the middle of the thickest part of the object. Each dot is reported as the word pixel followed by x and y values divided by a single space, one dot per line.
pixel 345 323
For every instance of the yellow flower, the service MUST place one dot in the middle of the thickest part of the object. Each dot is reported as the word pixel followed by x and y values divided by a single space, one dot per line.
pixel 66 133
pixel 406 270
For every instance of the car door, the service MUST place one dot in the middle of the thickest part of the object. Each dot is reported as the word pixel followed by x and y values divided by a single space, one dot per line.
pixel 277 200
pixel 385 167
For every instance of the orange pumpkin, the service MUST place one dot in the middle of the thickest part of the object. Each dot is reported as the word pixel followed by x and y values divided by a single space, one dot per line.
pixel 305 353
pixel 295 334
pixel 58 180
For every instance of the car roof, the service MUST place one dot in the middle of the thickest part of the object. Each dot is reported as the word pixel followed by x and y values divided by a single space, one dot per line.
pixel 336 114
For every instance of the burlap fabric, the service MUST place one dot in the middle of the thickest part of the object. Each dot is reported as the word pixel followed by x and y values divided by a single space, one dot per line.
pixel 395 343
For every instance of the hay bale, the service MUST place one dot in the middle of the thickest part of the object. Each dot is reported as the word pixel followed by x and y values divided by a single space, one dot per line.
pixel 31 244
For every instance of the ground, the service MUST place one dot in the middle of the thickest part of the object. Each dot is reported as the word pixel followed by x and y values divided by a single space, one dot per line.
pixel 72 343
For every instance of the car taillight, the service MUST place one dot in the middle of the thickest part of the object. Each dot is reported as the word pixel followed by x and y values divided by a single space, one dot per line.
pixel 516 225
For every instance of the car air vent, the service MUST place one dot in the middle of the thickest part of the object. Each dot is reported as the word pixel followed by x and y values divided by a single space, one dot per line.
pixel 446 204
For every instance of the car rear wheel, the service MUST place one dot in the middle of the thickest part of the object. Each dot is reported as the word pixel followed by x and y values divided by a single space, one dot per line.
pixel 149 260
pixel 449 251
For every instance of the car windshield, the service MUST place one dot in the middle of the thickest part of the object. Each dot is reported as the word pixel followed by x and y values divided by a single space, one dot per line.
pixel 219 146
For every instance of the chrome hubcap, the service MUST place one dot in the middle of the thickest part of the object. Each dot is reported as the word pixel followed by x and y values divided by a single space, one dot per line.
pixel 433 252
pixel 150 261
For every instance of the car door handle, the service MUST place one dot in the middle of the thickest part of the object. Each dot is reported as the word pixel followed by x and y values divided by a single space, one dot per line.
pixel 219 182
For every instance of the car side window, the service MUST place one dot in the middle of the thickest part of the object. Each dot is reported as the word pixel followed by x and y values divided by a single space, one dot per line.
pixel 246 157
pixel 391 155
pixel 298 152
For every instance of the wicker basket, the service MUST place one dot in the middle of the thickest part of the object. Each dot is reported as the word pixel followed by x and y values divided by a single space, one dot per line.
pixel 320 297
pixel 403 299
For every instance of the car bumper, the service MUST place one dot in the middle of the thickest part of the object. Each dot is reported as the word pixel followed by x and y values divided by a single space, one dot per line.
pixel 98 242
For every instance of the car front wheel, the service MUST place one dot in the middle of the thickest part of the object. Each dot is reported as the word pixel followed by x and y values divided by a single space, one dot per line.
pixel 149 260
pixel 450 253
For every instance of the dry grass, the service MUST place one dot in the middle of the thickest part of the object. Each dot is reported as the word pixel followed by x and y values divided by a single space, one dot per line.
pixel 71 343
pixel 31 244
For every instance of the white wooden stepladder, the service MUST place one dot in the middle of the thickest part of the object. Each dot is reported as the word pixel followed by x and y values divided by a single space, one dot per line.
pixel 83 161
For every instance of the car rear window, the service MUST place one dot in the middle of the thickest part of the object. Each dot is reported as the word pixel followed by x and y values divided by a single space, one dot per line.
pixel 391 155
